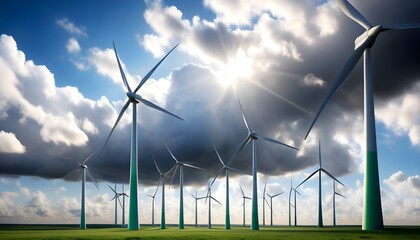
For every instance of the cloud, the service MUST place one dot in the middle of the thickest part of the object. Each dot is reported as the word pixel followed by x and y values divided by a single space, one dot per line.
pixel 40 206
pixel 73 46
pixel 71 27
pixel 312 80
pixel 404 119
pixel 10 144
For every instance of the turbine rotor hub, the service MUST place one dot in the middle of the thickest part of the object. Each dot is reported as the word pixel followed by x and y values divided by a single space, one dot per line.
pixel 374 33
pixel 253 135
pixel 132 97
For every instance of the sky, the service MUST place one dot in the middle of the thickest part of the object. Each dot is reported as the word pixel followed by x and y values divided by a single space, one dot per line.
pixel 61 92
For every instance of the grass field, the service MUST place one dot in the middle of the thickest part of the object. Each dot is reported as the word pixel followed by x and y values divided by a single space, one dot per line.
pixel 47 232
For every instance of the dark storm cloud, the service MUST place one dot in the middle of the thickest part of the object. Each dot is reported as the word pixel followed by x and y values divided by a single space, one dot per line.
pixel 212 114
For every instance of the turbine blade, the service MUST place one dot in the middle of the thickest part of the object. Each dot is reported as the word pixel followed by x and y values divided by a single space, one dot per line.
pixel 121 70
pixel 267 202
pixel 331 176
pixel 176 167
pixel 90 155
pixel 217 174
pixel 192 166
pixel 74 170
pixel 170 151
pixel 265 187
pixel 278 194
pixel 112 190
pixel 218 155
pixel 401 26
pixel 352 13
pixel 361 39
pixel 275 141
pixel 345 71
pixel 116 122
pixel 339 194
pixel 216 200
pixel 147 76
pixel 156 165
pixel 319 153
pixel 298 192
pixel 308 178
pixel 240 148
pixel 120 202
pixel 243 194
pixel 93 180
pixel 243 114
pixel 152 105
pixel 248 198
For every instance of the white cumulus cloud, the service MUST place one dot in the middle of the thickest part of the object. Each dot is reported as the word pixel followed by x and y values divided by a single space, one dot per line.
pixel 10 144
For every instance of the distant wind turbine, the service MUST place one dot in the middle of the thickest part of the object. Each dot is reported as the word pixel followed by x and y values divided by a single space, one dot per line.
pixel 335 193
pixel 82 166
pixel 271 205
pixel 153 205
pixel 115 199
pixel 293 205
pixel 134 98
pixel 372 207
pixel 210 197
pixel 243 204
pixel 227 169
pixel 162 181
pixel 319 171
pixel 264 202
pixel 253 136
pixel 123 195
pixel 195 202
pixel 181 184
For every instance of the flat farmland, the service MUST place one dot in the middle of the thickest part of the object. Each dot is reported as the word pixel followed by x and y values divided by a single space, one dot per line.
pixel 46 232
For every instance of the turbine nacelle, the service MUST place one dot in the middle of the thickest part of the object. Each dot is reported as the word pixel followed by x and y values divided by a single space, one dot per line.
pixel 369 35
pixel 253 135
pixel 83 166
pixel 133 97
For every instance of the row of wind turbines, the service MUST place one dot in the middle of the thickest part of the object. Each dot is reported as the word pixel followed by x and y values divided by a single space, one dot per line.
pixel 372 209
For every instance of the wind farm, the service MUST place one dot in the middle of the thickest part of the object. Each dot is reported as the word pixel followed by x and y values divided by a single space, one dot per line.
pixel 224 76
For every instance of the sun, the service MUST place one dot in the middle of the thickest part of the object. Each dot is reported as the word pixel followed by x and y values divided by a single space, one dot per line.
pixel 237 67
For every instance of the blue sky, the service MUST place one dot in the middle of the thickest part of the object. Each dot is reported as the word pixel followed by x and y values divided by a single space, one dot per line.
pixel 61 99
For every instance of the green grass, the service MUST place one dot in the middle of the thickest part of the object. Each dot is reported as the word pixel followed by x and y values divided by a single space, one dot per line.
pixel 47 232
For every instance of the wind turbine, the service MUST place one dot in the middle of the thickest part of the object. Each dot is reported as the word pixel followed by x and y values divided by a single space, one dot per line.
pixel 195 202
pixel 243 204
pixel 162 180
pixel 290 204
pixel 253 136
pixel 227 169
pixel 181 184
pixel 271 205
pixel 372 207
pixel 134 98
pixel 123 195
pixel 116 199
pixel 210 197
pixel 82 166
pixel 264 202
pixel 319 171
pixel 335 193
pixel 153 205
